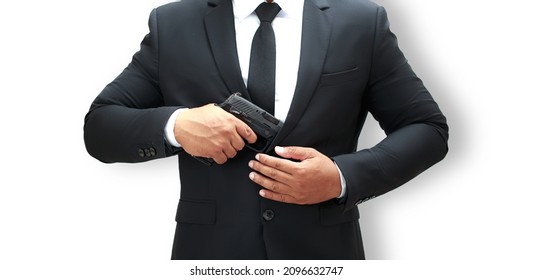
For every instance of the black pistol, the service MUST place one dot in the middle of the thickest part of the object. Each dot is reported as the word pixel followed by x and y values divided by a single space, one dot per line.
pixel 265 126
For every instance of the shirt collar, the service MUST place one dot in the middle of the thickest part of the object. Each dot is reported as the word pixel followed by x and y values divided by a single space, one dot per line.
pixel 289 8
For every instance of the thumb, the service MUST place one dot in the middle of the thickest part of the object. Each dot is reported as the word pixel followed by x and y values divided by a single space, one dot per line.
pixel 296 153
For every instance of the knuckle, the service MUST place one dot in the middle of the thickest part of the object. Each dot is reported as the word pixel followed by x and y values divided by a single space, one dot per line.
pixel 239 146
pixel 217 154
pixel 218 147
pixel 227 131
pixel 300 171
pixel 231 153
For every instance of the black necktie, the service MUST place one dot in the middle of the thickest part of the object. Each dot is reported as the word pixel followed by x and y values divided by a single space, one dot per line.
pixel 262 74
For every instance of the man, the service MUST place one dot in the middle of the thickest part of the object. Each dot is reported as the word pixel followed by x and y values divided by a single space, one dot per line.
pixel 336 60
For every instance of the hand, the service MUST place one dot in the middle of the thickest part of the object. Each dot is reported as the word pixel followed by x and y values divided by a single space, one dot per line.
pixel 314 178
pixel 211 132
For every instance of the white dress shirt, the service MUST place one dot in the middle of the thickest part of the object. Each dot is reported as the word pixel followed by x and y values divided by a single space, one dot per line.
pixel 288 30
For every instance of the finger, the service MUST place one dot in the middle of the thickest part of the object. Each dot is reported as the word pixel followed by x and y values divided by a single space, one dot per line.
pixel 269 184
pixel 246 132
pixel 297 153
pixel 220 159
pixel 220 153
pixel 237 142
pixel 270 172
pixel 230 152
pixel 280 164
pixel 277 196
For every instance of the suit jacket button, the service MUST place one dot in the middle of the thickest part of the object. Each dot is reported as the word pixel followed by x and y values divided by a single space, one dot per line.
pixel 141 153
pixel 152 152
pixel 147 152
pixel 268 215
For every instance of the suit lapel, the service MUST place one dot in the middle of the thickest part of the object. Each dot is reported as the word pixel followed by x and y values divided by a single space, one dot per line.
pixel 316 30
pixel 220 28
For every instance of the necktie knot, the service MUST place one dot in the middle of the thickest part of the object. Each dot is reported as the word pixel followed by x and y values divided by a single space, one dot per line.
pixel 267 11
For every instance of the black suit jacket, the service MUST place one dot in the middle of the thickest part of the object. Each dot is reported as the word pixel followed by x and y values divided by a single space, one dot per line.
pixel 350 65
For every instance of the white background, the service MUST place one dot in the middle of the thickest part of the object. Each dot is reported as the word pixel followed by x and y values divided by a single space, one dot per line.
pixel 64 215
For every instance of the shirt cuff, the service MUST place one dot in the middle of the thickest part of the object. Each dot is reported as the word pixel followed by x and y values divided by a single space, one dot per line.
pixel 169 128
pixel 343 183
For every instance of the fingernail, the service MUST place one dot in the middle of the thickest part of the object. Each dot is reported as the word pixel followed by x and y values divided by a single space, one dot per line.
pixel 251 176
pixel 262 193
pixel 279 149
pixel 257 156
pixel 251 164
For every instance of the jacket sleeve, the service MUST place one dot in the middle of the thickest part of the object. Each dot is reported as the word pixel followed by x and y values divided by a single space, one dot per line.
pixel 416 130
pixel 125 123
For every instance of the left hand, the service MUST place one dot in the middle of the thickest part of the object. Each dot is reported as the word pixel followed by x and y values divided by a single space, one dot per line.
pixel 312 178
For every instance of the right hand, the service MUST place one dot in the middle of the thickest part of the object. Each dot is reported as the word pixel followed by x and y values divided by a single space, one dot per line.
pixel 211 132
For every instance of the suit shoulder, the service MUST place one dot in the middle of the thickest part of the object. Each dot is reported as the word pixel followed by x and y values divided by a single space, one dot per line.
pixel 184 13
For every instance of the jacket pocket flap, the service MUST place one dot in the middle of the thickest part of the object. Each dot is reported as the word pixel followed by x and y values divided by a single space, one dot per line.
pixel 338 77
pixel 196 212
